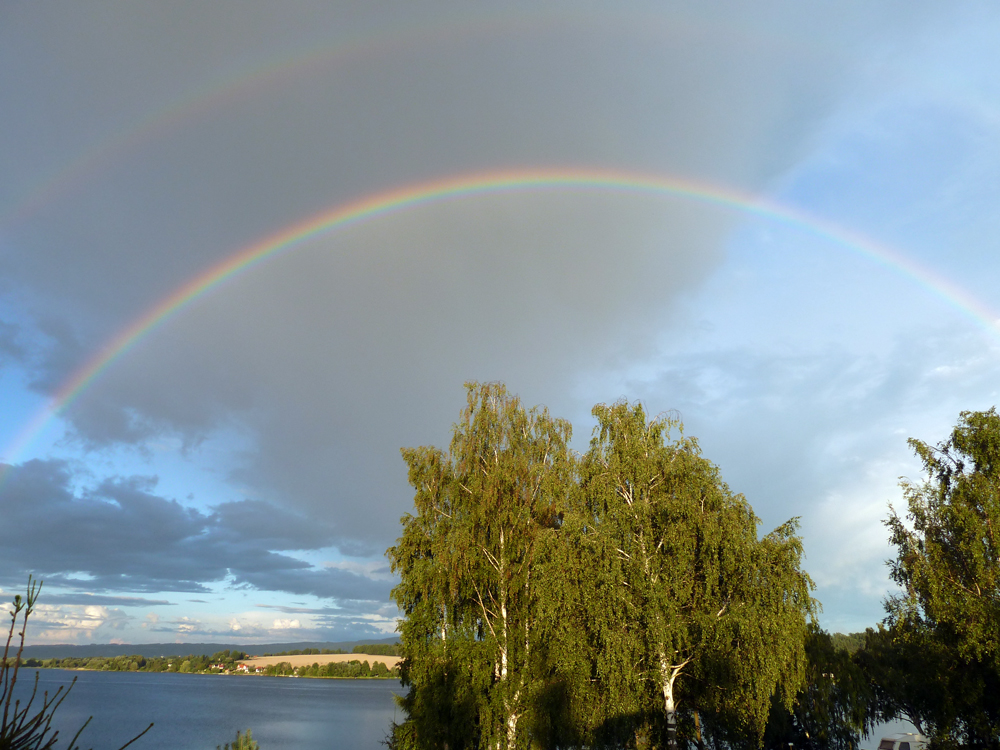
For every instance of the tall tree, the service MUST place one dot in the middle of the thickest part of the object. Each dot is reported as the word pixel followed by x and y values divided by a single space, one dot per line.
pixel 694 604
pixel 948 565
pixel 832 710
pixel 467 563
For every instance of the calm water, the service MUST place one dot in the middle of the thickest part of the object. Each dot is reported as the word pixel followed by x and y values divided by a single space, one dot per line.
pixel 194 712
pixel 203 711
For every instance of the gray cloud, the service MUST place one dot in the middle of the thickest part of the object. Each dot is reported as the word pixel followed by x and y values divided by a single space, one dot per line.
pixel 104 601
pixel 127 171
pixel 10 346
pixel 120 536
pixel 331 359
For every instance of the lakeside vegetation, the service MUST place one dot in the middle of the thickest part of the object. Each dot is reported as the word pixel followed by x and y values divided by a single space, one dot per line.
pixel 623 598
pixel 338 669
pixel 223 662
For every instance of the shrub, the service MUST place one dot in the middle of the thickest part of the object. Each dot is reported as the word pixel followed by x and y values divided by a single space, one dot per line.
pixel 243 742
pixel 20 727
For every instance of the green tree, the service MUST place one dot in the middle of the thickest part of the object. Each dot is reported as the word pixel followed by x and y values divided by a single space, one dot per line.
pixel 468 567
pixel 833 708
pixel 948 566
pixel 693 606
pixel 907 671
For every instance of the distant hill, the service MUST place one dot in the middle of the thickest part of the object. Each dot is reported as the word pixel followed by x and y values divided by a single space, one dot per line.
pixel 64 651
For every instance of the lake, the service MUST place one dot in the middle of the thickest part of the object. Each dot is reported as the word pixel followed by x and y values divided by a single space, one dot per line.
pixel 204 711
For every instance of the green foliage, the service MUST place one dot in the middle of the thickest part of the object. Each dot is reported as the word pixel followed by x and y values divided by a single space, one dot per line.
pixel 468 564
pixel 849 642
pixel 228 658
pixel 307 651
pixel 22 729
pixel 908 669
pixel 833 708
pixel 692 608
pixel 243 742
pixel 339 669
pixel 553 603
pixel 946 623
pixel 134 663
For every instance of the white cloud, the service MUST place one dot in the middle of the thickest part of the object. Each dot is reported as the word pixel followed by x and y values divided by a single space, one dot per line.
pixel 186 625
pixel 73 623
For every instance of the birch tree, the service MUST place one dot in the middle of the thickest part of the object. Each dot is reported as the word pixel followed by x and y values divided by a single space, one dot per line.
pixel 694 605
pixel 467 562
pixel 437 638
pixel 948 565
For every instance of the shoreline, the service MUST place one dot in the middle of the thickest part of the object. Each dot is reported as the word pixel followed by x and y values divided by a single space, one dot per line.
pixel 215 674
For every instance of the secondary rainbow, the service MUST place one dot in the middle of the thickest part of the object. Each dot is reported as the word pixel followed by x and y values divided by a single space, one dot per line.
pixel 277 70
pixel 412 197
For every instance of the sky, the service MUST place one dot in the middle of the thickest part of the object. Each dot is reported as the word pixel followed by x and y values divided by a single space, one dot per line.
pixel 250 250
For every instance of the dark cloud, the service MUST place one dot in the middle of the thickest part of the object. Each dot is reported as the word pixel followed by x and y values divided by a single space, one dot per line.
pixel 329 360
pixel 270 527
pixel 120 536
pixel 104 601
pixel 57 353
pixel 11 347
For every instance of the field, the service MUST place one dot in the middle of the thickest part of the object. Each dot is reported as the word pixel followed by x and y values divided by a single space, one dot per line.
pixel 305 660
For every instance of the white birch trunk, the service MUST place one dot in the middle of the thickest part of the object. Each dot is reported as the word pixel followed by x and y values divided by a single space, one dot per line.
pixel 668 674
pixel 510 722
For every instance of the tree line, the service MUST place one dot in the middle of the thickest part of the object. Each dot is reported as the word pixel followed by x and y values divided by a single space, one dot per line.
pixel 354 669
pixel 224 661
pixel 624 598
pixel 139 663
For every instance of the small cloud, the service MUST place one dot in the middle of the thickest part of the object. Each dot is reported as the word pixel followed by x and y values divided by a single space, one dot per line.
pixel 286 625
pixel 152 620
pixel 375 569
pixel 187 625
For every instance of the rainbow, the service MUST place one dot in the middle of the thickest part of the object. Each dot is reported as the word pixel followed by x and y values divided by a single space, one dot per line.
pixel 276 70
pixel 415 196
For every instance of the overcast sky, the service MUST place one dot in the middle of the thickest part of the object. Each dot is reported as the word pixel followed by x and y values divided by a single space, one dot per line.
pixel 235 475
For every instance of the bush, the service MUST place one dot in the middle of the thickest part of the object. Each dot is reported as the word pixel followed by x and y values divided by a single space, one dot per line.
pixel 21 728
pixel 243 742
